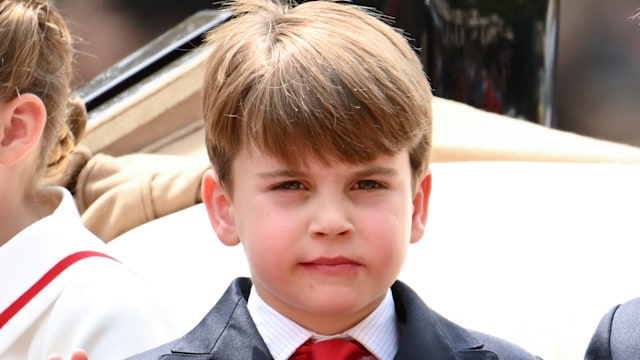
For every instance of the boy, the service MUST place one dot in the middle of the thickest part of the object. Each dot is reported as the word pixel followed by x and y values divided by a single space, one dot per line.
pixel 318 126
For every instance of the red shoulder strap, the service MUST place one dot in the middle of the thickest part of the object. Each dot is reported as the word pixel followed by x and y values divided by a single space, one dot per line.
pixel 49 276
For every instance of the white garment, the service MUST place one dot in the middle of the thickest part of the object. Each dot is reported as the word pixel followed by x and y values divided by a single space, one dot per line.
pixel 97 304
pixel 378 332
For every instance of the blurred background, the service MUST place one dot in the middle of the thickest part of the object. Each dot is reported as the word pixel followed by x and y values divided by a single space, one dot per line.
pixel 596 91
pixel 598 73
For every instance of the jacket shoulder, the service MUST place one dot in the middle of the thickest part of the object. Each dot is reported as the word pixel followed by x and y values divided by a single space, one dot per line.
pixel 617 333
pixel 425 332
pixel 226 332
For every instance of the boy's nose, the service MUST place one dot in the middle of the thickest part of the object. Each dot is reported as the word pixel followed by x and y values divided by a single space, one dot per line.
pixel 330 220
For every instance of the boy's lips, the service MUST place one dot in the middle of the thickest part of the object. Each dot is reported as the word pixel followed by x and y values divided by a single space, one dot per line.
pixel 336 260
pixel 331 265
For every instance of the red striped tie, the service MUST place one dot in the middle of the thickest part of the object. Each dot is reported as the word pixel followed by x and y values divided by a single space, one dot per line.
pixel 334 349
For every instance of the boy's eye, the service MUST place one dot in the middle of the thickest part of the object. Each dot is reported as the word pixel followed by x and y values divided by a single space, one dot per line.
pixel 289 185
pixel 367 185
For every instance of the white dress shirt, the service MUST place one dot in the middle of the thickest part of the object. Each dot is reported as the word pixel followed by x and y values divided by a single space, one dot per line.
pixel 378 332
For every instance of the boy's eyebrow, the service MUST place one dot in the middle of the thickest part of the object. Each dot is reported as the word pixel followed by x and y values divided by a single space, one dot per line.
pixel 376 170
pixel 280 173
pixel 364 172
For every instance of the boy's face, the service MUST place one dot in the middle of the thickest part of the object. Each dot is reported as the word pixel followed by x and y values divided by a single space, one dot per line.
pixel 323 242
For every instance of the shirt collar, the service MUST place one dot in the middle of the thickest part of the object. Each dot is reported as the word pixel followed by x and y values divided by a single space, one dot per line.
pixel 378 332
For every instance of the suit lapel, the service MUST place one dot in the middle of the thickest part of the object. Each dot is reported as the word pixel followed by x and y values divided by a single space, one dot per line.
pixel 226 333
pixel 427 335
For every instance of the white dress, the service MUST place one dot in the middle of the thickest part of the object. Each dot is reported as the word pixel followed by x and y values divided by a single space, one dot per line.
pixel 96 304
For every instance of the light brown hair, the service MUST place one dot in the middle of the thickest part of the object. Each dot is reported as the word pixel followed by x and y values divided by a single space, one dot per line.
pixel 323 79
pixel 36 57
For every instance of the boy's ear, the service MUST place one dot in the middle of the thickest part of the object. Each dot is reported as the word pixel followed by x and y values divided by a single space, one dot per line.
pixel 22 122
pixel 420 208
pixel 220 209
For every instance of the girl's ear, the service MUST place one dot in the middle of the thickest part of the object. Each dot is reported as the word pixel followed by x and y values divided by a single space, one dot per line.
pixel 220 209
pixel 420 208
pixel 22 122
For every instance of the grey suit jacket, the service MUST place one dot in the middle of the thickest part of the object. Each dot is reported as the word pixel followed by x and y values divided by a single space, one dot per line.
pixel 228 333
pixel 617 337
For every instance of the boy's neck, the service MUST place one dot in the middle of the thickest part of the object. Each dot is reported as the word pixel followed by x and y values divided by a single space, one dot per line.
pixel 323 324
